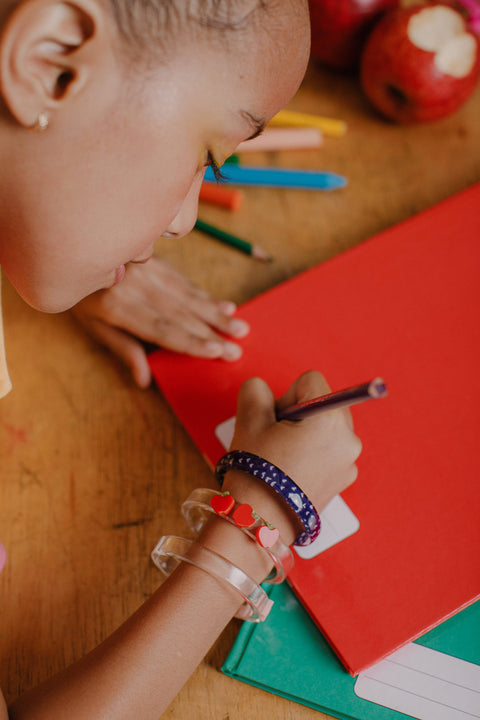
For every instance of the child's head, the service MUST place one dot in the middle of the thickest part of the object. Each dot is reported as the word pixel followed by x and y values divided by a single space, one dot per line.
pixel 139 95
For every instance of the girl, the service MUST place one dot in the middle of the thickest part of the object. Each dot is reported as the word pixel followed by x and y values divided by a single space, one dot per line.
pixel 110 112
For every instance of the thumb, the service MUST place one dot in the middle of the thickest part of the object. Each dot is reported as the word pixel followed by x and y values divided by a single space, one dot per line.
pixel 307 386
pixel 125 347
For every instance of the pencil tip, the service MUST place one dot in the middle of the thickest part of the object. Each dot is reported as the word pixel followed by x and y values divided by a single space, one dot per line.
pixel 260 254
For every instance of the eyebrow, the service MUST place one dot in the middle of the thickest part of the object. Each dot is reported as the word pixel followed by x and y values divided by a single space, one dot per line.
pixel 257 124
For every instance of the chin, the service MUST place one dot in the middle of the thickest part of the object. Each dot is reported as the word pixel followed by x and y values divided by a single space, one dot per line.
pixel 50 305
pixel 47 300
pixel 47 294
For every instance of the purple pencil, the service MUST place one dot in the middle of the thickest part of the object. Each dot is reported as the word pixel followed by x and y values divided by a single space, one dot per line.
pixel 333 401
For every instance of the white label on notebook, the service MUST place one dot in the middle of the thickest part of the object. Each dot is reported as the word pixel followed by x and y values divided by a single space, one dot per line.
pixel 224 432
pixel 424 684
pixel 338 521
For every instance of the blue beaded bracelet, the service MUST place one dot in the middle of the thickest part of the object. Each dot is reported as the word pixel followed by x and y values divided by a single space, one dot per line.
pixel 278 481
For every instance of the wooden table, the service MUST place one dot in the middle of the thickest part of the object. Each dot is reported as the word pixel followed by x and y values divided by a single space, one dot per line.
pixel 93 470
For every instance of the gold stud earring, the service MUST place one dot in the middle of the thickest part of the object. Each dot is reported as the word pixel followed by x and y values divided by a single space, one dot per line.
pixel 42 122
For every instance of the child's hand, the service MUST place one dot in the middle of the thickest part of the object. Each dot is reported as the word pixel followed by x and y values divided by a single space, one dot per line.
pixel 157 304
pixel 318 453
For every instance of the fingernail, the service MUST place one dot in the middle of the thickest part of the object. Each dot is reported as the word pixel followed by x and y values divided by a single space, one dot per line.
pixel 228 308
pixel 213 349
pixel 231 352
pixel 239 328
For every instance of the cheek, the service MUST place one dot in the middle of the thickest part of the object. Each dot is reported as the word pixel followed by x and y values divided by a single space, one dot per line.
pixel 135 200
pixel 151 167
pixel 75 229
pixel 71 253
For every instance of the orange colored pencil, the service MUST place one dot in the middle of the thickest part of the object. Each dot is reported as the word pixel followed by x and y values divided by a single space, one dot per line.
pixel 218 195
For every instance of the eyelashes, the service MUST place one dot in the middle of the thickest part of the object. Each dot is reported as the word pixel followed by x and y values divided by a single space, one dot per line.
pixel 219 177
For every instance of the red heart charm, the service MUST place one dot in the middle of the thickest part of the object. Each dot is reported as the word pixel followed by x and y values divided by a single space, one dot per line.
pixel 267 536
pixel 222 504
pixel 243 516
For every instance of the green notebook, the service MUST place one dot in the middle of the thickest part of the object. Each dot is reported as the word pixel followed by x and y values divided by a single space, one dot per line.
pixel 288 656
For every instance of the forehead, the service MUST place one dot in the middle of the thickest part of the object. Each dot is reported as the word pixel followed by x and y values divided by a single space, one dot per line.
pixel 261 64
pixel 225 83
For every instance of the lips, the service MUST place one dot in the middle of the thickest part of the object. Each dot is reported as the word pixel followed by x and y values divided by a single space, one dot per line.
pixel 119 274
pixel 141 259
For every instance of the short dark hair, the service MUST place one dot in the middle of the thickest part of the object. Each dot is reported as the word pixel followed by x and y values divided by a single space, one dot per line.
pixel 141 22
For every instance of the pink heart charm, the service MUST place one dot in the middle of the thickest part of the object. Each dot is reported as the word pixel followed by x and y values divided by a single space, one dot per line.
pixel 267 536
pixel 222 504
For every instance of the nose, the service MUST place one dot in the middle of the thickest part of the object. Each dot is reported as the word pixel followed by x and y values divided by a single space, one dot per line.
pixel 186 217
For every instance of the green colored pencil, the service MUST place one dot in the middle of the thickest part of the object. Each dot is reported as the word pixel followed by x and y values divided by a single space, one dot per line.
pixel 249 248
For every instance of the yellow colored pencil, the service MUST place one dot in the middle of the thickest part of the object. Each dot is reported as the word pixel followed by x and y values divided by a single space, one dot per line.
pixel 329 126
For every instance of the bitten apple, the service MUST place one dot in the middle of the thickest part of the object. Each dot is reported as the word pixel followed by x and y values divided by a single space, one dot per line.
pixel 420 63
pixel 340 28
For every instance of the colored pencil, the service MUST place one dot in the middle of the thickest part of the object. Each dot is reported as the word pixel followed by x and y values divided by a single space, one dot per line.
pixel 333 401
pixel 283 138
pixel 329 126
pixel 279 177
pixel 216 194
pixel 233 241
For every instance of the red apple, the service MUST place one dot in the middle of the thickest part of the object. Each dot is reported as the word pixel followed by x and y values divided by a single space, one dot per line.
pixel 222 503
pixel 420 63
pixel 243 515
pixel 340 27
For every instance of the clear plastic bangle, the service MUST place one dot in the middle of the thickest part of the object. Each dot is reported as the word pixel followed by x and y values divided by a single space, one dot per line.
pixel 197 509
pixel 171 550
pixel 279 481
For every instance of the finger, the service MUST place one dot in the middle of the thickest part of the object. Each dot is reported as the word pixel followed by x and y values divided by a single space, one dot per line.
pixel 212 313
pixel 165 290
pixel 227 307
pixel 172 280
pixel 170 326
pixel 157 317
pixel 135 358
pixel 348 418
pixel 357 447
pixel 185 334
pixel 310 385
pixel 216 313
pixel 255 405
pixel 213 347
pixel 235 327
pixel 350 476
pixel 129 350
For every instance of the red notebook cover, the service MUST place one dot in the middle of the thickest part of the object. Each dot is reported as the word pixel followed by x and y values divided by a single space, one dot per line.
pixel 403 305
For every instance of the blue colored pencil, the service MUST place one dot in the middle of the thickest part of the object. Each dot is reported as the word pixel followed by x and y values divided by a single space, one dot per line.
pixel 279 177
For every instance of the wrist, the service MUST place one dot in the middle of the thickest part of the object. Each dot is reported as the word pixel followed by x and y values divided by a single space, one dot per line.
pixel 173 552
pixel 248 489
pixel 236 547
pixel 243 539
pixel 269 474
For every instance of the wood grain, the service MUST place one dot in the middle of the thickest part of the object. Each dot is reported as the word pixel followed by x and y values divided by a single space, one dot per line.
pixel 93 470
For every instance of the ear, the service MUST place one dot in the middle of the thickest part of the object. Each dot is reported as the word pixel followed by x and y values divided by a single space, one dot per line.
pixel 48 50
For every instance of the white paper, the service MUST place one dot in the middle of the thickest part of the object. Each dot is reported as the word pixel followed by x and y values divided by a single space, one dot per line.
pixel 224 432
pixel 423 683
pixel 338 523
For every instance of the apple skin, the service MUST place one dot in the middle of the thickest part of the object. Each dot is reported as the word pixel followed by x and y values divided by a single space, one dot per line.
pixel 403 81
pixel 339 29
